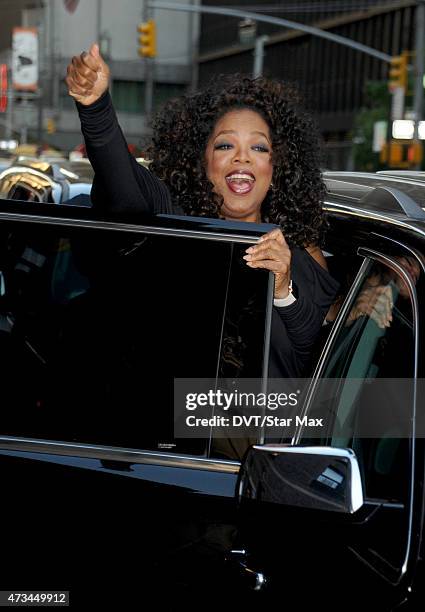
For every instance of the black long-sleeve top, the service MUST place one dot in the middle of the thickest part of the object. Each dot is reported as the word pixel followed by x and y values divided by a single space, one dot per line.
pixel 121 185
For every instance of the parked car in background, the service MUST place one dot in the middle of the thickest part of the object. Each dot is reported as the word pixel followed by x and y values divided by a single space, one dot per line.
pixel 4 163
pixel 43 180
pixel 102 499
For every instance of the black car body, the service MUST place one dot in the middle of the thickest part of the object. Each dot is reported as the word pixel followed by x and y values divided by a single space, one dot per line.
pixel 97 318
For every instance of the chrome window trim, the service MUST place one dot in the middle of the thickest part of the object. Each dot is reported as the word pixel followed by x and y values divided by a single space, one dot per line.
pixel 370 256
pixel 417 254
pixel 125 455
pixel 127 227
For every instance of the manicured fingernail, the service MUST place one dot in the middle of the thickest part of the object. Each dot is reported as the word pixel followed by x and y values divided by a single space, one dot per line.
pixel 249 250
pixel 247 257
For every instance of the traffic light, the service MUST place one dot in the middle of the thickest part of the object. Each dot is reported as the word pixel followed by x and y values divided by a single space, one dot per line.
pixel 403 154
pixel 147 38
pixel 398 71
pixel 415 153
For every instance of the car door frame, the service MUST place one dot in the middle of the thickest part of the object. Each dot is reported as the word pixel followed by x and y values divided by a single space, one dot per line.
pixel 416 508
pixel 199 476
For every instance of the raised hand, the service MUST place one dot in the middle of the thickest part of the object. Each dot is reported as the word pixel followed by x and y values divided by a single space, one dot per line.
pixel 87 76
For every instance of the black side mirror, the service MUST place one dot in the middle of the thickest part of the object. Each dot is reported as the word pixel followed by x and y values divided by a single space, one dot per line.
pixel 311 477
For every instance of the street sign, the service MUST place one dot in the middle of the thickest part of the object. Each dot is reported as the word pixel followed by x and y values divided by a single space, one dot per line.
pixel 3 88
pixel 25 59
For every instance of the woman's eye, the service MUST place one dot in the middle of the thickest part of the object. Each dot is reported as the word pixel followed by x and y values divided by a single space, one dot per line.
pixel 261 148
pixel 223 146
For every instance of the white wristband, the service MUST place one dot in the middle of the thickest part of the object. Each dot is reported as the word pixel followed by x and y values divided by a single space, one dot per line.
pixel 290 299
pixel 286 301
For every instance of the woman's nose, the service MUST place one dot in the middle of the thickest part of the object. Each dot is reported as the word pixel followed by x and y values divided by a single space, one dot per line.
pixel 242 155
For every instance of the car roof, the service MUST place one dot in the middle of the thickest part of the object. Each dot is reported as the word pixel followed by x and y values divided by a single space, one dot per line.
pixel 396 196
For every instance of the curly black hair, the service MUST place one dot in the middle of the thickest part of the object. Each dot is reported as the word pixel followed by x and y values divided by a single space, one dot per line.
pixel 181 131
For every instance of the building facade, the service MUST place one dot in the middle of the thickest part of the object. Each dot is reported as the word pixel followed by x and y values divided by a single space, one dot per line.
pixel 68 27
pixel 331 77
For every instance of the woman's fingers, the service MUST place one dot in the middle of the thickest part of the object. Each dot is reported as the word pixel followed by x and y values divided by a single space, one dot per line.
pixel 268 251
pixel 91 62
pixel 76 83
pixel 83 73
pixel 73 87
pixel 272 253
pixel 377 303
pixel 275 234
pixel 267 244
pixel 269 264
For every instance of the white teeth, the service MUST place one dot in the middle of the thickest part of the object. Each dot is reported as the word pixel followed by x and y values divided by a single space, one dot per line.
pixel 244 177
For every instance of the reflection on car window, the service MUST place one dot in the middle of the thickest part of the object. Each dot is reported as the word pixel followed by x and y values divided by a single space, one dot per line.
pixel 378 322
pixel 94 327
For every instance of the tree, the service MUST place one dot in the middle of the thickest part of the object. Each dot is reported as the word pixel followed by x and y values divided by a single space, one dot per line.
pixel 377 106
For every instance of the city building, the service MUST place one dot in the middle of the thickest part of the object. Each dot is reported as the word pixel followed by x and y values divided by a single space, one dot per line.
pixel 67 27
pixel 332 77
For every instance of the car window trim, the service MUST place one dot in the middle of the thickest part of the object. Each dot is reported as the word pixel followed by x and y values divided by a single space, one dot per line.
pixel 124 455
pixel 361 275
pixel 133 228
pixel 416 254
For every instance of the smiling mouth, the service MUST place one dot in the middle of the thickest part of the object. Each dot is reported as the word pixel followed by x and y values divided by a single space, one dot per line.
pixel 240 182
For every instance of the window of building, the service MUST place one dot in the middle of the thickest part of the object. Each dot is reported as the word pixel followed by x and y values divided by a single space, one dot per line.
pixel 129 96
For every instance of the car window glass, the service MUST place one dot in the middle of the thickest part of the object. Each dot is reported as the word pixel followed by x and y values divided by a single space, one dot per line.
pixel 243 345
pixel 378 321
pixel 94 326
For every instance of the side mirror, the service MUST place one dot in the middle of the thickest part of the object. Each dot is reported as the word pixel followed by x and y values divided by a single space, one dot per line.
pixel 311 477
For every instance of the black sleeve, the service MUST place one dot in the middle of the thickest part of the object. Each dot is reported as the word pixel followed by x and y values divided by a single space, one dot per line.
pixel 295 328
pixel 120 184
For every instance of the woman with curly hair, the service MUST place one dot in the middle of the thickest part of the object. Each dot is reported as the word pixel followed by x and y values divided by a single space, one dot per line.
pixel 242 150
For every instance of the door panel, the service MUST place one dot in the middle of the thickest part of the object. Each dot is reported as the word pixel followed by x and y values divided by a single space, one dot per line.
pixel 375 549
pixel 105 534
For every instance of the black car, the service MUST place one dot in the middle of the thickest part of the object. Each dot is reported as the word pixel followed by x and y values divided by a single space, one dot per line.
pixel 101 498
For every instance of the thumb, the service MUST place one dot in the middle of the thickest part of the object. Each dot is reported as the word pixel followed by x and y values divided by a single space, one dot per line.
pixel 94 51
